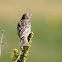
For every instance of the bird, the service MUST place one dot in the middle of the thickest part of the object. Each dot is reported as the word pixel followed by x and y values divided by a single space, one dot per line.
pixel 24 29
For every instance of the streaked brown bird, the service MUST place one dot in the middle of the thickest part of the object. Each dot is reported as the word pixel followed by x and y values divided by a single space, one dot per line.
pixel 24 29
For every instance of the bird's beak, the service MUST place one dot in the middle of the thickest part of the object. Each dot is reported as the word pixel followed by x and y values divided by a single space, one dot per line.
pixel 30 14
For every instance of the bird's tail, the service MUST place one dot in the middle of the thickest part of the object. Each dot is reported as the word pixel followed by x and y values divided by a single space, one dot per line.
pixel 21 43
pixel 24 42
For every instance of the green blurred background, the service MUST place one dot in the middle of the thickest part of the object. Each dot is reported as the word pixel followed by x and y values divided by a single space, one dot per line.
pixel 46 25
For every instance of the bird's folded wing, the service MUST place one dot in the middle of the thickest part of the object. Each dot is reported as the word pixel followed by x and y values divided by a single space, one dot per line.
pixel 20 29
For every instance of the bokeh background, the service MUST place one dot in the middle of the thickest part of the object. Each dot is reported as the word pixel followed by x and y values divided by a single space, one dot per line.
pixel 46 25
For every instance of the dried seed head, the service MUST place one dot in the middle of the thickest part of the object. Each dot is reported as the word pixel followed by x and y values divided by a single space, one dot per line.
pixel 2 31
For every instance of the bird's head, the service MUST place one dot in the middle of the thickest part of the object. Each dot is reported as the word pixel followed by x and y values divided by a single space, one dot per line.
pixel 26 16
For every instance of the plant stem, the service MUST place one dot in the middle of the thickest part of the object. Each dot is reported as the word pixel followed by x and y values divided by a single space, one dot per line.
pixel 22 56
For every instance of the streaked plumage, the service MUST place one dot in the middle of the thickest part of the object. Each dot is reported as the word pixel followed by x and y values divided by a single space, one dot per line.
pixel 24 29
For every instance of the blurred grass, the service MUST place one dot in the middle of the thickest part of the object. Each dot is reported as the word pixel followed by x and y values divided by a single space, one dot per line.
pixel 46 25
pixel 47 40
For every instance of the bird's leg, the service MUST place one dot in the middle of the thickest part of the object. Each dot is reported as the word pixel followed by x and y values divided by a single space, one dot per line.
pixel 21 44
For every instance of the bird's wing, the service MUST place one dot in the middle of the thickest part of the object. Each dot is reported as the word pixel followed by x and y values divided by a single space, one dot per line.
pixel 21 28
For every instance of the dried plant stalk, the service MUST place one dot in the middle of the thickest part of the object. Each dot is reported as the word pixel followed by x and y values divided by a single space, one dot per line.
pixel 22 56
